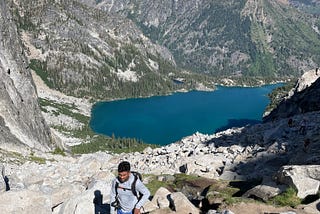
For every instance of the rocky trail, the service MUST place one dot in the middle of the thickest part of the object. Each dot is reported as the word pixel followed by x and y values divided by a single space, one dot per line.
pixel 68 183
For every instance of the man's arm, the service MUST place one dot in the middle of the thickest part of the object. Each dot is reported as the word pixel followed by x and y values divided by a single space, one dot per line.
pixel 140 187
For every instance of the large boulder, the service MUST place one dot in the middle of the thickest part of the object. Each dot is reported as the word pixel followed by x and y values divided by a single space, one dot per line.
pixel 305 178
pixel 25 201
pixel 161 198
pixel 160 201
pixel 182 205
pixel 59 195
pixel 263 192
pixel 86 201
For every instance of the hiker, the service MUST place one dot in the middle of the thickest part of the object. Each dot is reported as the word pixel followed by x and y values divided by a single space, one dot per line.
pixel 306 144
pixel 290 122
pixel 128 193
pixel 303 126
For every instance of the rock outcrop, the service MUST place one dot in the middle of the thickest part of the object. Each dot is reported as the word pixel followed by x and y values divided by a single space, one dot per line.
pixel 301 99
pixel 22 126
pixel 305 179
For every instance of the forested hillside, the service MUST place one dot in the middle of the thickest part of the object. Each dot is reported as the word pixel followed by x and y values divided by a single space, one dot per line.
pixel 116 49
pixel 308 6
pixel 85 52
pixel 266 38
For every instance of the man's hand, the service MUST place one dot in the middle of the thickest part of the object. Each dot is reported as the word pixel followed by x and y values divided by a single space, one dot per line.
pixel 136 211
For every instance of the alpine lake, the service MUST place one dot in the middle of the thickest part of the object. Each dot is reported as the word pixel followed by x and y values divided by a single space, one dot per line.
pixel 166 119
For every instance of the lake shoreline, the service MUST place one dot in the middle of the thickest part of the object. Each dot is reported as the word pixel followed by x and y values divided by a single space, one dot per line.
pixel 85 106
pixel 145 118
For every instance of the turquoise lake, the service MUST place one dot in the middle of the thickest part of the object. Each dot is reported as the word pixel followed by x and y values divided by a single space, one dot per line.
pixel 166 119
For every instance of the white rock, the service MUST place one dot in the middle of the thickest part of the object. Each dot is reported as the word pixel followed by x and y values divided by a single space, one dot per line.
pixel 182 204
pixel 25 201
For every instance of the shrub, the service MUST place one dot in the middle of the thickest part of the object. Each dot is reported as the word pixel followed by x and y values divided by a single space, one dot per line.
pixel 287 198
pixel 58 151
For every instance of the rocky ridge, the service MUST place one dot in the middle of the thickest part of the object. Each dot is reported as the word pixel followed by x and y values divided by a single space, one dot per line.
pixel 302 98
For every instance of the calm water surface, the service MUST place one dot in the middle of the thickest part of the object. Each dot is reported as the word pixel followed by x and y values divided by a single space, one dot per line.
pixel 166 119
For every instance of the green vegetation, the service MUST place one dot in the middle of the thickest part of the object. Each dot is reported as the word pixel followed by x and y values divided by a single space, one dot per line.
pixel 215 190
pixel 154 184
pixel 277 95
pixel 176 182
pixel 18 158
pixel 41 70
pixel 102 84
pixel 94 142
pixel 59 151
pixel 115 145
pixel 181 179
pixel 226 192
pixel 24 22
pixel 287 198
pixel 263 65
pixel 36 159
pixel 13 157
pixel 65 109
pixel 223 191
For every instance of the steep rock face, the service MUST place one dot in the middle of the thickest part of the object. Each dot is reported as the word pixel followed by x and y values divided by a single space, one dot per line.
pixel 21 122
pixel 302 99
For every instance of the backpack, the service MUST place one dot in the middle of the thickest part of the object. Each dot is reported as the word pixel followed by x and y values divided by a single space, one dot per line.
pixel 137 176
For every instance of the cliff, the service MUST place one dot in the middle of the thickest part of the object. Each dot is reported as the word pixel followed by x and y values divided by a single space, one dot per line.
pixel 22 125
pixel 301 99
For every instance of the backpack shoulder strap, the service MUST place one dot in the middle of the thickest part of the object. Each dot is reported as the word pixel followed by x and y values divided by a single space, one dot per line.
pixel 116 188
pixel 133 185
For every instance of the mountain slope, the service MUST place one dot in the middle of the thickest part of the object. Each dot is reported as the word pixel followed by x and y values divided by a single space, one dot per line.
pixel 83 51
pixel 308 6
pixel 116 49
pixel 250 37
pixel 22 127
